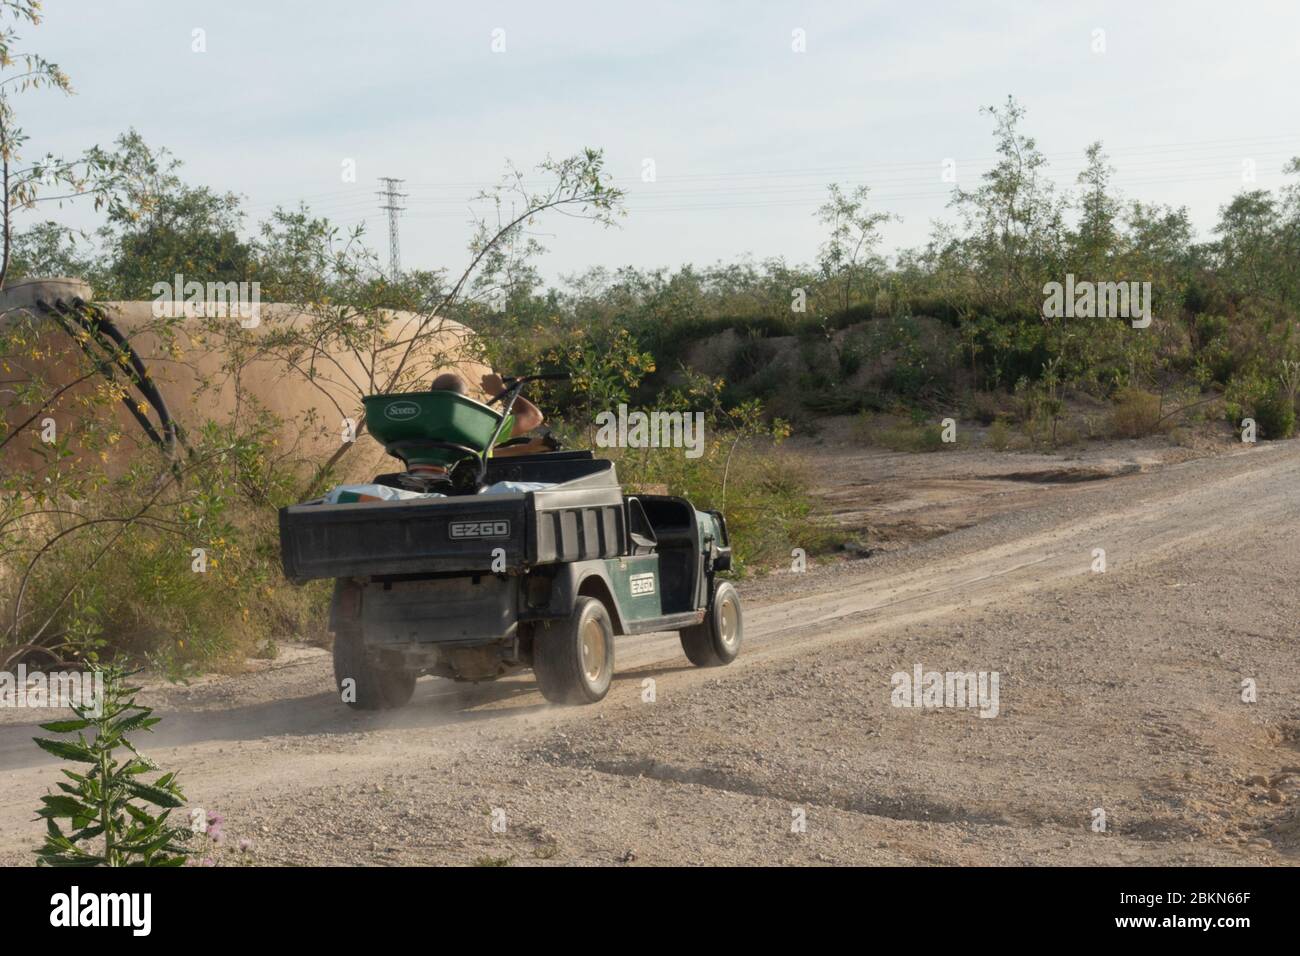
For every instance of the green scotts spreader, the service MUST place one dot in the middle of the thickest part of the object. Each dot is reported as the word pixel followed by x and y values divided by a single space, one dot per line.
pixel 434 428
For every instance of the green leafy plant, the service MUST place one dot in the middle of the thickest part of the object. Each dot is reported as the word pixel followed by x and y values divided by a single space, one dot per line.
pixel 1264 398
pixel 106 806
pixel 603 370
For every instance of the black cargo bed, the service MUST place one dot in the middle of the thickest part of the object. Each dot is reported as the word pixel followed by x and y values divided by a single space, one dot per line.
pixel 580 518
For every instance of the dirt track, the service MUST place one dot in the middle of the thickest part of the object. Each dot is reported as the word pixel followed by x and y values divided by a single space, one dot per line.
pixel 1118 690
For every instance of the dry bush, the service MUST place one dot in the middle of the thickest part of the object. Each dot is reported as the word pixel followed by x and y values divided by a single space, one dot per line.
pixel 1135 414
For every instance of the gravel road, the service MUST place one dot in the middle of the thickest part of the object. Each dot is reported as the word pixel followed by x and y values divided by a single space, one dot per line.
pixel 1119 693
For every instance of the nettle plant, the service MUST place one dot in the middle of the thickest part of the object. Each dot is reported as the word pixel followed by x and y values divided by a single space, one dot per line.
pixel 109 807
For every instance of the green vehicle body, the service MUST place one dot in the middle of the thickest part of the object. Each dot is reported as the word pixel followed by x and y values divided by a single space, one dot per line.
pixel 504 562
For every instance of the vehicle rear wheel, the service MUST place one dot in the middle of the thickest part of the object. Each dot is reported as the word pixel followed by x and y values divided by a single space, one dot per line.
pixel 363 683
pixel 716 641
pixel 574 658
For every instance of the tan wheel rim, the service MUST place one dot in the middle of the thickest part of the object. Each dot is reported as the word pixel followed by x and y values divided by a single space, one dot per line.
pixel 729 623
pixel 593 650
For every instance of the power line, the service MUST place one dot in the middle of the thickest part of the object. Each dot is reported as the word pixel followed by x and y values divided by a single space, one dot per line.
pixel 1060 176
pixel 1057 158
pixel 881 175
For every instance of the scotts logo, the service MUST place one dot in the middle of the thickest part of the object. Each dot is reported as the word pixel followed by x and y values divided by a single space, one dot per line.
pixel 401 411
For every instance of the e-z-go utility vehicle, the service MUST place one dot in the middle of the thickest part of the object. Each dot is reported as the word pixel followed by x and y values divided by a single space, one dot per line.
pixel 504 562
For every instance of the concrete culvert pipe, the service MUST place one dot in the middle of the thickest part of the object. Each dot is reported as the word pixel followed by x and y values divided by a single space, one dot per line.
pixel 191 376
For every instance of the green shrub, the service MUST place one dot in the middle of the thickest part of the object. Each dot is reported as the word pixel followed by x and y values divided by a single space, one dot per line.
pixel 1215 354
pixel 114 572
pixel 1274 414
pixel 984 407
pixel 1264 398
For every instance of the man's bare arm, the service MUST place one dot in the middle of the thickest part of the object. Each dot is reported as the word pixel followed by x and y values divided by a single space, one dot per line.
pixel 527 415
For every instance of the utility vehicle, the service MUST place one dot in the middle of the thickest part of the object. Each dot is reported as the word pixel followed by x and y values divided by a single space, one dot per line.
pixel 533 560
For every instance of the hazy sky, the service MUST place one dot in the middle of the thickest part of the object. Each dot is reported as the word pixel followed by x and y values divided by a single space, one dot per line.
pixel 744 132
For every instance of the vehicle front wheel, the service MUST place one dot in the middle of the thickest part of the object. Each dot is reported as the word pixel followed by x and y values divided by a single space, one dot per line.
pixel 716 641
pixel 363 683
pixel 574 658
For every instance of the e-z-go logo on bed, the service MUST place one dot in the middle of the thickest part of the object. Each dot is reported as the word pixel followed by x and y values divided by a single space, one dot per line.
pixel 479 529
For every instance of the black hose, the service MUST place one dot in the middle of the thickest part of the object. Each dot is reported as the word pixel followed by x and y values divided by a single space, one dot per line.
pixel 101 321
pixel 63 315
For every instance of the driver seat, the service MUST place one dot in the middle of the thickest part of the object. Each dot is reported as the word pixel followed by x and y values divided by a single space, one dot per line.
pixel 641 536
